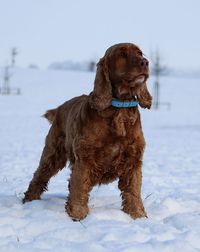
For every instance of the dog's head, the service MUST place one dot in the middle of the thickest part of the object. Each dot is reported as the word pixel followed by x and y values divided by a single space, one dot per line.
pixel 121 74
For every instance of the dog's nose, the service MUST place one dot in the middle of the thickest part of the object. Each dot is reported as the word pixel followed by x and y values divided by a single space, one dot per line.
pixel 144 63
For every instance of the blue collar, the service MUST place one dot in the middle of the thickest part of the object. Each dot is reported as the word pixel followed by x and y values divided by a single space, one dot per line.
pixel 124 104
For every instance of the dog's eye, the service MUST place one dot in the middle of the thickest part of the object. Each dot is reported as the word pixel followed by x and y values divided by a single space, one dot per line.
pixel 140 53
pixel 123 54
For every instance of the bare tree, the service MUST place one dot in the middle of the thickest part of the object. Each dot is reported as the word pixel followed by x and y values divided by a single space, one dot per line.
pixel 6 89
pixel 158 70
pixel 92 65
pixel 14 53
pixel 6 80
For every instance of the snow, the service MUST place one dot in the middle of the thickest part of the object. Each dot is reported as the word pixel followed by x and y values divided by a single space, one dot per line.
pixel 171 174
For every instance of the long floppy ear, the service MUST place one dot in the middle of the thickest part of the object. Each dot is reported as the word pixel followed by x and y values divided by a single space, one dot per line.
pixel 101 97
pixel 144 97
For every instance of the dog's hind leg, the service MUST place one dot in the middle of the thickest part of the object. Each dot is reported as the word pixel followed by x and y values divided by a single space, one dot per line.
pixel 53 159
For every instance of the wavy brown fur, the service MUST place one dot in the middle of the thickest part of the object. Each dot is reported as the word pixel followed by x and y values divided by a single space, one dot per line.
pixel 102 143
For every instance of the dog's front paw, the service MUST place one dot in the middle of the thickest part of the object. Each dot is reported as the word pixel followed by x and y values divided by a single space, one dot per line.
pixel 76 211
pixel 138 213
pixel 29 197
pixel 135 210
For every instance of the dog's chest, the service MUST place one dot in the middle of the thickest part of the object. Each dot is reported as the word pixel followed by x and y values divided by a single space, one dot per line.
pixel 123 122
pixel 111 137
pixel 118 138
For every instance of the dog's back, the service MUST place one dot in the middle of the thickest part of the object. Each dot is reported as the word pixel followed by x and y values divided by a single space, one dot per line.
pixel 72 105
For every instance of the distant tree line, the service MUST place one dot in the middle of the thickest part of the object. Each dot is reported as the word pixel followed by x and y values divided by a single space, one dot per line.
pixel 71 65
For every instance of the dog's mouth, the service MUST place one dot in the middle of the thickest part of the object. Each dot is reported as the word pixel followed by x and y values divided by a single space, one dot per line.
pixel 129 86
pixel 141 78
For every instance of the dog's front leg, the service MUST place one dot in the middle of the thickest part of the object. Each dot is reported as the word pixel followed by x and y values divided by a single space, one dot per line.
pixel 79 188
pixel 130 185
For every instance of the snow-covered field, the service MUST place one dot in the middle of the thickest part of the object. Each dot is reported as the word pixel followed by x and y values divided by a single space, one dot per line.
pixel 171 174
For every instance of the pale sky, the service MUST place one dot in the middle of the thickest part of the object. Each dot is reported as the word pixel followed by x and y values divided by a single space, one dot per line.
pixel 56 30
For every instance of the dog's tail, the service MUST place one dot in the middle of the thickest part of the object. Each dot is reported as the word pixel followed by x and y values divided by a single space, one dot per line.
pixel 50 115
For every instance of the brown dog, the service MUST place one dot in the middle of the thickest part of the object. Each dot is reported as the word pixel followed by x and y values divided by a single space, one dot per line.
pixel 102 142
